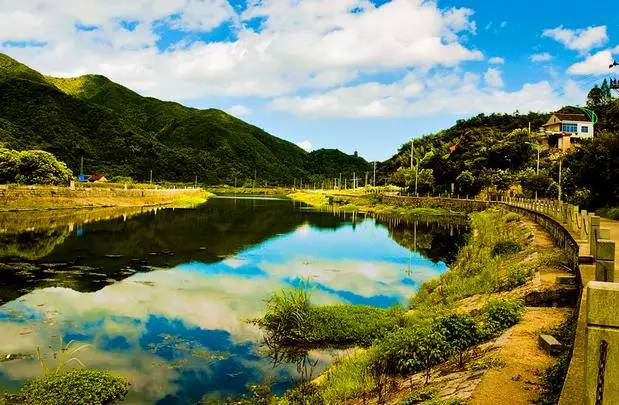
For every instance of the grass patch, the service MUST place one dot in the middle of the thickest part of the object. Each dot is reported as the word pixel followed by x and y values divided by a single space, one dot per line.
pixel 491 261
pixel 291 320
pixel 76 387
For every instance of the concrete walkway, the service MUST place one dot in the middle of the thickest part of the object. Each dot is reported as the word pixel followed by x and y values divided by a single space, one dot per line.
pixel 573 388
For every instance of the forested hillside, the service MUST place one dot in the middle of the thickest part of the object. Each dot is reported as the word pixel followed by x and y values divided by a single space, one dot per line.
pixel 496 152
pixel 120 133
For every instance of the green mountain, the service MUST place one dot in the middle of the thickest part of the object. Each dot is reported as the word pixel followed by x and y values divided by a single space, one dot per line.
pixel 119 132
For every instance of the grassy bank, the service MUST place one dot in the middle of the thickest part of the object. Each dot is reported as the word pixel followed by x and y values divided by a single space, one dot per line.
pixel 439 331
pixel 49 197
pixel 347 200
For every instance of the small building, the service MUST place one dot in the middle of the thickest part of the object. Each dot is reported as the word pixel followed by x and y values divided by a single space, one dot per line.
pixel 97 179
pixel 563 130
pixel 83 177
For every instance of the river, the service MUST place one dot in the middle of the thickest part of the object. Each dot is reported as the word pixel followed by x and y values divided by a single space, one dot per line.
pixel 162 295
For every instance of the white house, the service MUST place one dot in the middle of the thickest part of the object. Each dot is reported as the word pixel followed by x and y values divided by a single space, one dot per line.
pixel 568 129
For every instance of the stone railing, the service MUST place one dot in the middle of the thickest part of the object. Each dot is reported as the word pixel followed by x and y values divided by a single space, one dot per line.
pixel 578 231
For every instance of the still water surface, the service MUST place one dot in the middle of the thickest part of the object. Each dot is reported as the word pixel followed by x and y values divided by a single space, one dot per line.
pixel 161 295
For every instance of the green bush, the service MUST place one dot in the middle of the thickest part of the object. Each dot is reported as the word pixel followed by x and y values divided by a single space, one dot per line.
pixel 410 350
pixel 502 314
pixel 506 248
pixel 39 167
pixel 304 394
pixel 461 331
pixel 75 387
pixel 9 160
pixel 349 377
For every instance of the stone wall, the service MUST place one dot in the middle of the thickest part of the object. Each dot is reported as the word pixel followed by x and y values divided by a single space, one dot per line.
pixel 453 204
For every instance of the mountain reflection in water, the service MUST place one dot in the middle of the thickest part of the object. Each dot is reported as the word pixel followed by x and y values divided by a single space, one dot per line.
pixel 162 295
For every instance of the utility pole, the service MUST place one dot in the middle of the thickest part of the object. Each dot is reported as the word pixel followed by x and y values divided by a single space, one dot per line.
pixel 82 166
pixel 412 150
pixel 195 183
pixel 339 185
pixel 374 182
pixel 354 181
pixel 255 173
pixel 151 176
pixel 560 167
pixel 366 180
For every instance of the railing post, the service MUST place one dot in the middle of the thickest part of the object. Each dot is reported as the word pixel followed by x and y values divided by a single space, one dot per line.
pixel 602 344
pixel 605 257
pixel 594 231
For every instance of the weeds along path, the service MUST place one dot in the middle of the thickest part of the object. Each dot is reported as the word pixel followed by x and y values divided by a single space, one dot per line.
pixel 518 381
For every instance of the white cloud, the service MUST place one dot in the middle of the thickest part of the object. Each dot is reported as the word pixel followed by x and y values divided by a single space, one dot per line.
pixel 306 145
pixel 541 57
pixel 418 95
pixel 301 45
pixel 493 78
pixel 597 63
pixel 496 61
pixel 581 40
pixel 239 110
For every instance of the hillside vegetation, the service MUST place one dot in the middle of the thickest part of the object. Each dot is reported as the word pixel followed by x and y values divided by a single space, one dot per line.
pixel 120 133
pixel 496 152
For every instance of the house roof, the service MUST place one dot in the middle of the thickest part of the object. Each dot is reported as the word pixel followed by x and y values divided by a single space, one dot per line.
pixel 561 117
pixel 96 178
pixel 571 117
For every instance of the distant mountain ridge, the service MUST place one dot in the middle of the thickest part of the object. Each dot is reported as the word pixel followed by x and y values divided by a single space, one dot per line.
pixel 119 132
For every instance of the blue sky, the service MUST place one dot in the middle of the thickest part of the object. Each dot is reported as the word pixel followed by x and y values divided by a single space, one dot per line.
pixel 351 74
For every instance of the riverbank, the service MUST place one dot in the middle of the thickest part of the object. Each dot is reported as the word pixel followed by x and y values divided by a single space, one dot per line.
pixel 507 269
pixel 33 198
pixel 347 200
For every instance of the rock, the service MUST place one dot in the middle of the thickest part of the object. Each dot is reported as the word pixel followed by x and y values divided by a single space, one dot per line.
pixel 566 280
pixel 113 256
pixel 516 377
pixel 549 344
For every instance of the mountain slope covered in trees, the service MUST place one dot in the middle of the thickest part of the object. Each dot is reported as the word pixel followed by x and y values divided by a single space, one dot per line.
pixel 119 132
pixel 497 152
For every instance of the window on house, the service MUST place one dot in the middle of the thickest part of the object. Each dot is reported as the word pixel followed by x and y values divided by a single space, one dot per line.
pixel 584 130
pixel 569 128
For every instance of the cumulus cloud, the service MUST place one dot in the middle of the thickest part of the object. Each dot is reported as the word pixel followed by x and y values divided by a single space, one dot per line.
pixel 300 45
pixel 239 110
pixel 581 40
pixel 541 57
pixel 418 95
pixel 597 63
pixel 496 61
pixel 306 145
pixel 493 78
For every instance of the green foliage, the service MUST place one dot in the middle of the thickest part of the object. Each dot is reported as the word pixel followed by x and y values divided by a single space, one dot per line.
pixel 508 247
pixel 461 331
pixel 39 167
pixel 303 394
pixel 9 160
pixel 349 377
pixel 610 213
pixel 465 182
pixel 290 320
pixel 120 133
pixel 32 167
pixel 420 396
pixel 502 314
pixel 77 386
pixel 412 349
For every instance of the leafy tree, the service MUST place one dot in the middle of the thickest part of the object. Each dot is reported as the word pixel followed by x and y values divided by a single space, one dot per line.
pixel 606 93
pixel 39 167
pixel 9 159
pixel 465 181
pixel 532 182
pixel 595 97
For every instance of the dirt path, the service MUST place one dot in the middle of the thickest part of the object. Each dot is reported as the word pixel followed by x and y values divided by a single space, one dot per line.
pixel 518 382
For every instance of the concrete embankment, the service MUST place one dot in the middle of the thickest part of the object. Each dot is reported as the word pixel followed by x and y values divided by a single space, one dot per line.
pixel 47 197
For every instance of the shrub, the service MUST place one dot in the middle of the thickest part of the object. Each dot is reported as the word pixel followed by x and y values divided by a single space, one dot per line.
pixel 304 394
pixel 515 277
pixel 75 387
pixel 502 314
pixel 412 349
pixel 461 331
pixel 39 167
pixel 9 160
pixel 506 248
